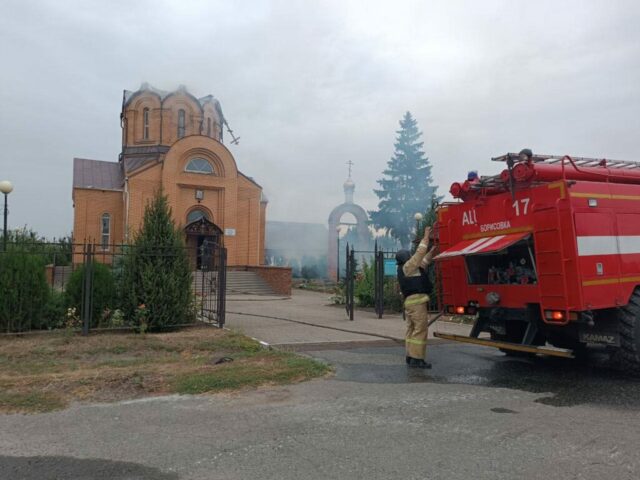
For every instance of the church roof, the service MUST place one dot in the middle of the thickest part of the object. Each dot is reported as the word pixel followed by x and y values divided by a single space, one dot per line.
pixel 97 174
pixel 250 179
pixel 162 94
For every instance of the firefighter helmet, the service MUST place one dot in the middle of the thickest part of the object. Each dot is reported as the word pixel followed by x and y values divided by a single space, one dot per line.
pixel 402 256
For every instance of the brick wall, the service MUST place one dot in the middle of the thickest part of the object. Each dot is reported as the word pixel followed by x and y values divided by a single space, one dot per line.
pixel 278 278
pixel 89 206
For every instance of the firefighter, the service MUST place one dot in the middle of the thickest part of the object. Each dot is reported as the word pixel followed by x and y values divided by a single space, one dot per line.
pixel 473 178
pixel 415 287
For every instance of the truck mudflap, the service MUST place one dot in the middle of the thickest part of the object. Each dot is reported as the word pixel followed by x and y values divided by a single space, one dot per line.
pixel 542 350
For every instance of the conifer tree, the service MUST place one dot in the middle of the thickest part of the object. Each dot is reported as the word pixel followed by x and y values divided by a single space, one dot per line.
pixel 156 277
pixel 406 186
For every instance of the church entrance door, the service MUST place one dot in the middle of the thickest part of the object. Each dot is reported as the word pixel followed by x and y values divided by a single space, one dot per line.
pixel 205 258
pixel 203 238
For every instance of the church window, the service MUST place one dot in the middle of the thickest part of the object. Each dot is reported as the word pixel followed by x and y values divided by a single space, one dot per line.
pixel 180 123
pixel 208 127
pixel 199 165
pixel 145 124
pixel 197 214
pixel 105 231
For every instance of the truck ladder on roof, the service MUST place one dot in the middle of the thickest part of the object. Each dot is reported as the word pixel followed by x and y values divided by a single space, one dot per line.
pixel 495 181
pixel 579 161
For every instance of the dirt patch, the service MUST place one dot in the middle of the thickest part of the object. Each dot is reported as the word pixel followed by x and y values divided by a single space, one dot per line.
pixel 47 372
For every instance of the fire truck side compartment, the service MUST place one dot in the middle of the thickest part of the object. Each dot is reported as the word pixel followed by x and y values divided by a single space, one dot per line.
pixel 582 253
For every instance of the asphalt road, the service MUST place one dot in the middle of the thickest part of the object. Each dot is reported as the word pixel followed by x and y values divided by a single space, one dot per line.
pixel 476 414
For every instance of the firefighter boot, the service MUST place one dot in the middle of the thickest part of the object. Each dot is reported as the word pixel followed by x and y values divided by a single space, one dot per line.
pixel 418 363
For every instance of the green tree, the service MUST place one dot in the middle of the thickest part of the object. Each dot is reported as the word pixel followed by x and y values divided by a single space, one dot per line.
pixel 406 186
pixel 24 292
pixel 155 285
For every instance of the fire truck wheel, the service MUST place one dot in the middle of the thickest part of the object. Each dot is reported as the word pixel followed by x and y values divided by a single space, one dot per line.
pixel 629 316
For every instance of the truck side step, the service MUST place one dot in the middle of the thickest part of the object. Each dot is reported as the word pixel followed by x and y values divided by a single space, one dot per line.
pixel 543 350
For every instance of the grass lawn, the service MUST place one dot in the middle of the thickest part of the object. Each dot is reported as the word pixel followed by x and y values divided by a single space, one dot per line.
pixel 40 373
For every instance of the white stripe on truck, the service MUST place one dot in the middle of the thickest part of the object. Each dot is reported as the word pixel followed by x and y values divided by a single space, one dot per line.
pixel 608 245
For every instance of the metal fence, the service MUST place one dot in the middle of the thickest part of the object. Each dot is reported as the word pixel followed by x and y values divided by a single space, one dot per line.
pixel 349 281
pixel 355 260
pixel 384 278
pixel 48 286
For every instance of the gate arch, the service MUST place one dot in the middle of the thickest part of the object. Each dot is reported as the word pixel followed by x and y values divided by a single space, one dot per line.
pixel 362 231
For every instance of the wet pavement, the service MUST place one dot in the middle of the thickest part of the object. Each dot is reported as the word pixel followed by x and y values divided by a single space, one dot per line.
pixel 560 382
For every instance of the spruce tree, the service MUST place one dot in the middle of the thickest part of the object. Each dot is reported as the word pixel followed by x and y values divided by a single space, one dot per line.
pixel 156 277
pixel 406 186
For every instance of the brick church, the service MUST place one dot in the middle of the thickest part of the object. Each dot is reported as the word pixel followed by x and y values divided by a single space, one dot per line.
pixel 172 141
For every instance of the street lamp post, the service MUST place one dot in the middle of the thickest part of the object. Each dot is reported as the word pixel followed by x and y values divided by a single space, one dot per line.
pixel 6 188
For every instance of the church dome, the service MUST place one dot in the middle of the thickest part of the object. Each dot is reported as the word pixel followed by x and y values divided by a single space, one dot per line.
pixel 349 183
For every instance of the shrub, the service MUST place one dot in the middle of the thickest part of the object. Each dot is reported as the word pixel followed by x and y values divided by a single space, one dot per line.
pixel 156 276
pixel 309 272
pixel 56 252
pixel 23 291
pixel 55 311
pixel 103 295
pixel 364 290
pixel 392 297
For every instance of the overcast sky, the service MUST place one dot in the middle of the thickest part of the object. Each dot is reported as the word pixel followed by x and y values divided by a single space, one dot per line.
pixel 310 85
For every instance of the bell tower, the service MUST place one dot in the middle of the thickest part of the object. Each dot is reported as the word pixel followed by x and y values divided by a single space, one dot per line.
pixel 335 222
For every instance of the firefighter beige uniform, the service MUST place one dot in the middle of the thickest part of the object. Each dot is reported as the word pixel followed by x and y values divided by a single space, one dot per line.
pixel 416 305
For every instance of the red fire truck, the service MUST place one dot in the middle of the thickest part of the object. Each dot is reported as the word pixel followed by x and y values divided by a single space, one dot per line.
pixel 546 255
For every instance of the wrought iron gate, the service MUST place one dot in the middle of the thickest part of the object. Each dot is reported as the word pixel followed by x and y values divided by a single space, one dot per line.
pixel 210 282
pixel 378 282
pixel 349 281
pixel 378 258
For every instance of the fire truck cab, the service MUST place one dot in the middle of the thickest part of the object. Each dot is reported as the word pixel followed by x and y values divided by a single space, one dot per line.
pixel 546 256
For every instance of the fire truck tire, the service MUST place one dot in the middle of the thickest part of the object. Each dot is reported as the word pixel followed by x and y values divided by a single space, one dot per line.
pixel 629 325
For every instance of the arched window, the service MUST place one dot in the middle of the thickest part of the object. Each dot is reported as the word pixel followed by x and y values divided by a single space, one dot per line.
pixel 208 127
pixel 105 231
pixel 180 123
pixel 197 214
pixel 145 124
pixel 199 165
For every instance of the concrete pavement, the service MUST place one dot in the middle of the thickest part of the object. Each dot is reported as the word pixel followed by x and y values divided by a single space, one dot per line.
pixel 476 415
pixel 271 319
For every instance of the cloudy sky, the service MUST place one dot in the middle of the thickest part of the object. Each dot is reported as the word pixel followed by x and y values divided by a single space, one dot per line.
pixel 309 85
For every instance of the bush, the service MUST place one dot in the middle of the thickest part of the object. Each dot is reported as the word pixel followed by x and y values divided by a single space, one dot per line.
pixel 55 311
pixel 392 297
pixel 156 276
pixel 309 272
pixel 104 292
pixel 23 291
pixel 56 252
pixel 364 290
